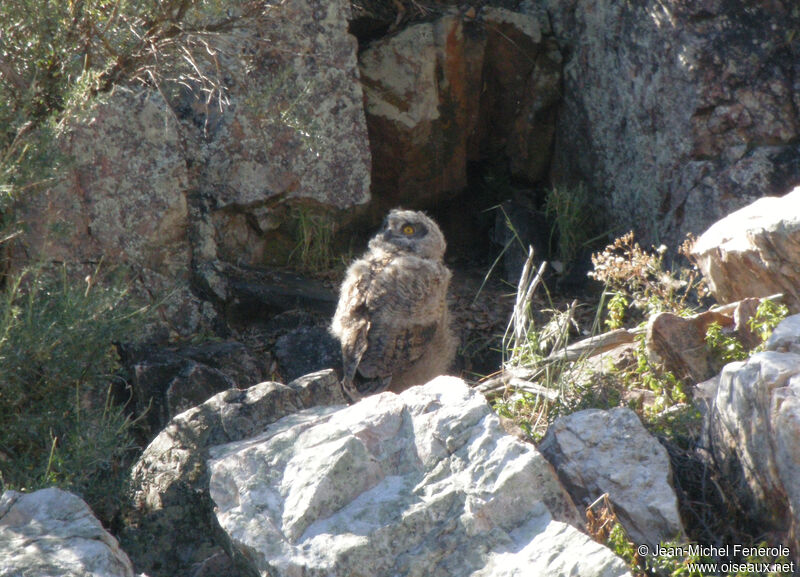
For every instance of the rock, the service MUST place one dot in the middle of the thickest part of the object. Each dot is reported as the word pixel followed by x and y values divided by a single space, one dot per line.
pixel 751 426
pixel 168 381
pixel 372 18
pixel 597 452
pixel 307 349
pixel 295 128
pixel 785 338
pixel 755 251
pixel 678 113
pixel 170 525
pixel 415 129
pixel 678 344
pixel 167 190
pixel 260 295
pixel 53 533
pixel 218 565
pixel 441 93
pixel 122 201
pixel 520 93
pixel 296 125
pixel 421 483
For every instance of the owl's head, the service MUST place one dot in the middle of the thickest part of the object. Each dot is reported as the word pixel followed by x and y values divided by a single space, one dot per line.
pixel 412 232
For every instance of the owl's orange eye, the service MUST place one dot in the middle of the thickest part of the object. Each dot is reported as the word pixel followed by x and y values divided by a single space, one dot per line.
pixel 408 230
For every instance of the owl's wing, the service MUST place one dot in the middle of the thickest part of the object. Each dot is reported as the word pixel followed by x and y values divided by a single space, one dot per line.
pixel 353 348
pixel 397 350
pixel 351 325
pixel 405 306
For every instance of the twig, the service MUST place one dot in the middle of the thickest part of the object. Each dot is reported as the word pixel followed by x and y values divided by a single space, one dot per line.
pixel 728 308
pixel 520 322
pixel 594 346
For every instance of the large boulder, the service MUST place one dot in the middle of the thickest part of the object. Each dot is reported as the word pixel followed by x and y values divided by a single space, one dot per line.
pixel 53 533
pixel 170 184
pixel 166 381
pixel 599 452
pixel 170 526
pixel 751 428
pixel 294 130
pixel 425 482
pixel 121 201
pixel 676 113
pixel 755 251
pixel 444 92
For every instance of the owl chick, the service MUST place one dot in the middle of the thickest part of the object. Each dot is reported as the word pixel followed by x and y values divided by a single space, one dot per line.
pixel 392 318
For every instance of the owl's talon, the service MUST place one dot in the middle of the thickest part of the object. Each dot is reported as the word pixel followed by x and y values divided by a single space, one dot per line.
pixel 350 391
pixel 379 386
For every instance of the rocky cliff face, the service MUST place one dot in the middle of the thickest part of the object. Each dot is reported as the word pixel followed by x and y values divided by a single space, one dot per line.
pixel 454 90
pixel 671 114
pixel 677 113
pixel 168 182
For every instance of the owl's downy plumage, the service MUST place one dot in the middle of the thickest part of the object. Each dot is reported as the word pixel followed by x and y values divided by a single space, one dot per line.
pixel 392 318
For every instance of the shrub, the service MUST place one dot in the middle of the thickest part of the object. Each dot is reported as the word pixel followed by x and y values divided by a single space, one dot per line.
pixel 639 283
pixel 768 315
pixel 59 423
pixel 55 56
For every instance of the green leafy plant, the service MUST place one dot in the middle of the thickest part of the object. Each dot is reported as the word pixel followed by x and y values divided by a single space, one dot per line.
pixel 617 307
pixel 59 422
pixel 568 210
pixel 672 558
pixel 726 348
pixel 314 237
pixel 668 388
pixel 768 315
pixel 639 279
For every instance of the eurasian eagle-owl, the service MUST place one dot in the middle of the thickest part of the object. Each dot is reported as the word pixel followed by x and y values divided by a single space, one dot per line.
pixel 392 318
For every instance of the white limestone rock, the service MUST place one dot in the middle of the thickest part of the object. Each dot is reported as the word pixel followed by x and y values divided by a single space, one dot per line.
pixel 53 533
pixel 598 452
pixel 755 251
pixel 751 429
pixel 422 483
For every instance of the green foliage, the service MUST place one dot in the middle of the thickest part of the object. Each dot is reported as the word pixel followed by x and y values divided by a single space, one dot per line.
pixel 679 559
pixel 568 209
pixel 58 422
pixel 768 315
pixel 50 47
pixel 618 542
pixel 636 281
pixel 726 348
pixel 640 279
pixel 617 307
pixel 645 375
pixel 526 410
pixel 314 236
